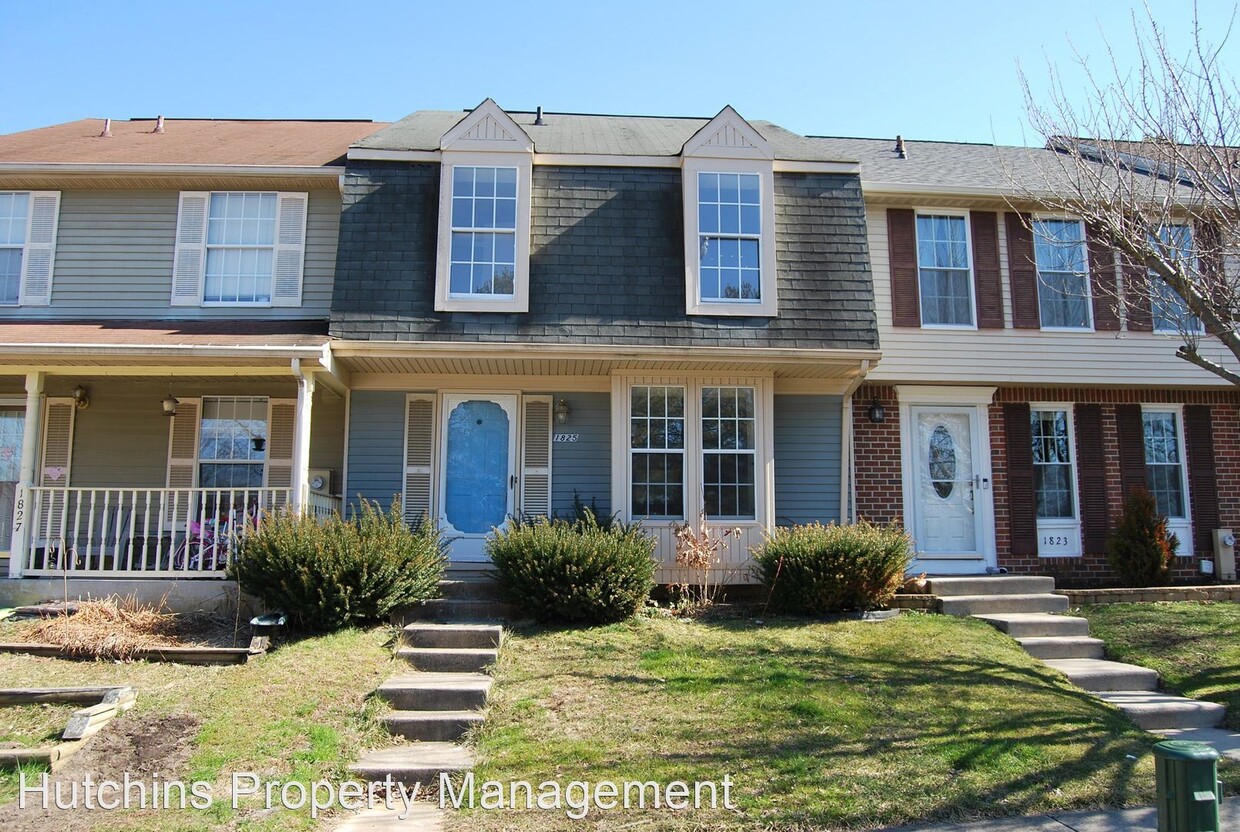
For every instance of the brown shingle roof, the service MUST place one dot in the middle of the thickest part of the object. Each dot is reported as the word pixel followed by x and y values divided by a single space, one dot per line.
pixel 129 333
pixel 188 142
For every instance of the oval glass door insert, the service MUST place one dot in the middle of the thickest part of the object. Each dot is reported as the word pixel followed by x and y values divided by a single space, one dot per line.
pixel 942 461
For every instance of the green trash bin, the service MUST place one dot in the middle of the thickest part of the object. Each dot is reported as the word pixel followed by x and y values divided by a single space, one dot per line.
pixel 1186 775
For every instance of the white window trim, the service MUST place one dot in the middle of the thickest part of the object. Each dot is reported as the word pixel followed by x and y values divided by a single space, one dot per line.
pixel 1181 526
pixel 764 457
pixel 768 305
pixel 1062 526
pixel 22 248
pixel 28 244
pixel 519 301
pixel 968 239
pixel 199 461
pixel 1089 282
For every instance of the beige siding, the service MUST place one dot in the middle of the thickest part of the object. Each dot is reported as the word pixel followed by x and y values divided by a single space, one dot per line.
pixel 1019 356
pixel 114 259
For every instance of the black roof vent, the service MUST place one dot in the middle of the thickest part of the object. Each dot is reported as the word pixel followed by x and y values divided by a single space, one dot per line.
pixel 901 153
pixel 538 119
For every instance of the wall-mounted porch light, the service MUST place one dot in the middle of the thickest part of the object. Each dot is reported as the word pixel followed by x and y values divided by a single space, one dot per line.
pixel 561 412
pixel 81 397
pixel 878 413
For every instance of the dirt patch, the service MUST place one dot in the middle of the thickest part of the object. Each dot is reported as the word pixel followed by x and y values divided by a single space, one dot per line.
pixel 138 746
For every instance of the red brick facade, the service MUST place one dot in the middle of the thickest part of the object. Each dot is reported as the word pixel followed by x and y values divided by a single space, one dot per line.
pixel 879 490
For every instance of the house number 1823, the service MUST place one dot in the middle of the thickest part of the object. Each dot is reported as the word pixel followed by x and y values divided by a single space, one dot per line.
pixel 566 437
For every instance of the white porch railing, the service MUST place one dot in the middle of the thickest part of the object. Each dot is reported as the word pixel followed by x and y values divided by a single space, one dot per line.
pixel 141 532
pixel 323 506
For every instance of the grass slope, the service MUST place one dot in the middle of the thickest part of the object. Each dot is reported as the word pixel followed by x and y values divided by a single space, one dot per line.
pixel 821 725
pixel 1194 647
pixel 299 713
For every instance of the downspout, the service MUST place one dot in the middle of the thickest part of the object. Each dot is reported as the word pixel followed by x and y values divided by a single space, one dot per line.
pixel 301 436
pixel 848 478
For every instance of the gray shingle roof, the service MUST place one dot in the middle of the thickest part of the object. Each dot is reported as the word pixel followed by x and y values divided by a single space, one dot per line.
pixel 602 134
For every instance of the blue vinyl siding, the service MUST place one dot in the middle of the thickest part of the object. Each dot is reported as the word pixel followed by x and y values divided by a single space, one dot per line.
pixel 807 459
pixel 584 465
pixel 376 445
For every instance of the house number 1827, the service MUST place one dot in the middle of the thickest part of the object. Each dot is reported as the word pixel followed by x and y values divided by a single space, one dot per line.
pixel 566 437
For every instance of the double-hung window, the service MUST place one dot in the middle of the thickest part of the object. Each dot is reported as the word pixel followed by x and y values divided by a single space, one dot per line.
pixel 1063 273
pixel 1054 480
pixel 1164 462
pixel 657 449
pixel 14 217
pixel 1170 312
pixel 484 233
pixel 729 453
pixel 730 237
pixel 232 442
pixel 945 276
pixel 241 241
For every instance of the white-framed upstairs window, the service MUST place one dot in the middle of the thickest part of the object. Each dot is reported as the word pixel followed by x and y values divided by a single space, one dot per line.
pixel 945 270
pixel 1054 480
pixel 1170 312
pixel 1063 273
pixel 484 232
pixel 28 223
pixel 239 248
pixel 730 238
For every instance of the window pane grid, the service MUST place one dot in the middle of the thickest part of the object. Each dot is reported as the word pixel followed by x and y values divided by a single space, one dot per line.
pixel 657 442
pixel 1170 312
pixel 483 257
pixel 729 456
pixel 1063 273
pixel 241 236
pixel 1052 464
pixel 1164 464
pixel 227 452
pixel 729 236
pixel 944 275
pixel 14 216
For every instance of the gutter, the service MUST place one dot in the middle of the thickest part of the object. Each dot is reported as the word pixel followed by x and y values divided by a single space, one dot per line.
pixel 104 169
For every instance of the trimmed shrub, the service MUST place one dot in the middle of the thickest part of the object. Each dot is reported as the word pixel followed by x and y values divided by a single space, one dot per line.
pixel 817 569
pixel 1140 549
pixel 330 574
pixel 579 572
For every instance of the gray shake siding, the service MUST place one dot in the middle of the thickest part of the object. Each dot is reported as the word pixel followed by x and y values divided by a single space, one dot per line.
pixel 114 260
pixel 807 459
pixel 606 264
pixel 583 466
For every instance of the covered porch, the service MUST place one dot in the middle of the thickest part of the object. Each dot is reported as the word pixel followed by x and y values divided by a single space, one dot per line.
pixel 148 450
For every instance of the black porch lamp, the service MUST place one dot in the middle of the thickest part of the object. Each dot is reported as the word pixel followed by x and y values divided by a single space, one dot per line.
pixel 878 413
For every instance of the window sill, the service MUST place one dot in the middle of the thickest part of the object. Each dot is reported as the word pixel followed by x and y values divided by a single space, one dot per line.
pixel 220 304
pixel 475 304
pixel 1069 329
pixel 951 327
pixel 738 309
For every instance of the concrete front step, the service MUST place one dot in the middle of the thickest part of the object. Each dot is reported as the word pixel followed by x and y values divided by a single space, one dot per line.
pixel 420 762
pixel 448 659
pixel 456 609
pixel 421 817
pixel 1157 711
pixel 483 590
pixel 453 636
pixel 1062 647
pixel 990 585
pixel 436 691
pixel 982 604
pixel 1034 624
pixel 1096 675
pixel 432 726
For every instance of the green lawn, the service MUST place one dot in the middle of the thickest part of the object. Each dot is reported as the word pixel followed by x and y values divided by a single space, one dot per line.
pixel 820 725
pixel 1195 647
pixel 300 712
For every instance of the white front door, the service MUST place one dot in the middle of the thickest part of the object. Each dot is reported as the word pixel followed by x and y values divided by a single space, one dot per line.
pixel 477 489
pixel 949 506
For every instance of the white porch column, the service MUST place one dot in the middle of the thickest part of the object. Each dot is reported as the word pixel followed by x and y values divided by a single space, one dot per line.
pixel 301 442
pixel 31 440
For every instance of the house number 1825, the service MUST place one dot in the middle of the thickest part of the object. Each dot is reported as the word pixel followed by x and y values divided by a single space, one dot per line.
pixel 566 437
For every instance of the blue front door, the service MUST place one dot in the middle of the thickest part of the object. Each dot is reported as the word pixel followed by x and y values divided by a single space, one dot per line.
pixel 478 476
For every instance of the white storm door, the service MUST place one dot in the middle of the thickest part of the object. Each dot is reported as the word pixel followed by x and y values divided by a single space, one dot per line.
pixel 478 482
pixel 948 518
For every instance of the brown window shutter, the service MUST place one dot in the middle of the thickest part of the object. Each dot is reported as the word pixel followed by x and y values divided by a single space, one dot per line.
pixel 1202 483
pixel 1022 272
pixel 1136 297
pixel 1022 509
pixel 1102 280
pixel 902 260
pixel 1131 434
pixel 985 232
pixel 1091 470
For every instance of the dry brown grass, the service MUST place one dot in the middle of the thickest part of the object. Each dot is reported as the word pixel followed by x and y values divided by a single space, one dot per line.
pixel 108 629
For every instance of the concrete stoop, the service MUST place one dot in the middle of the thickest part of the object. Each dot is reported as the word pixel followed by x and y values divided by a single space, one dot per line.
pixel 1022 607
pixel 434 708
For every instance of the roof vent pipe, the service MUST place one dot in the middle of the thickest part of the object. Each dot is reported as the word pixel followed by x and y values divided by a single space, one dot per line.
pixel 159 125
pixel 107 129
pixel 901 153
pixel 538 119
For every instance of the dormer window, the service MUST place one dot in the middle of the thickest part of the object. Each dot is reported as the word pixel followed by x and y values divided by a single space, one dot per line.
pixel 729 192
pixel 483 258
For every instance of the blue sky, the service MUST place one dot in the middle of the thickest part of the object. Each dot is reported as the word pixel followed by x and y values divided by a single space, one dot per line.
pixel 928 70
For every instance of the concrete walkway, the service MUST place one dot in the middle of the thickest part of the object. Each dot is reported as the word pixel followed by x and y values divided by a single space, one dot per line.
pixel 1118 820
pixel 1224 740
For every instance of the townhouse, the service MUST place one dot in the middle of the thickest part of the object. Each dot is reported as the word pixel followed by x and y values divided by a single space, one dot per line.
pixel 1024 387
pixel 164 370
